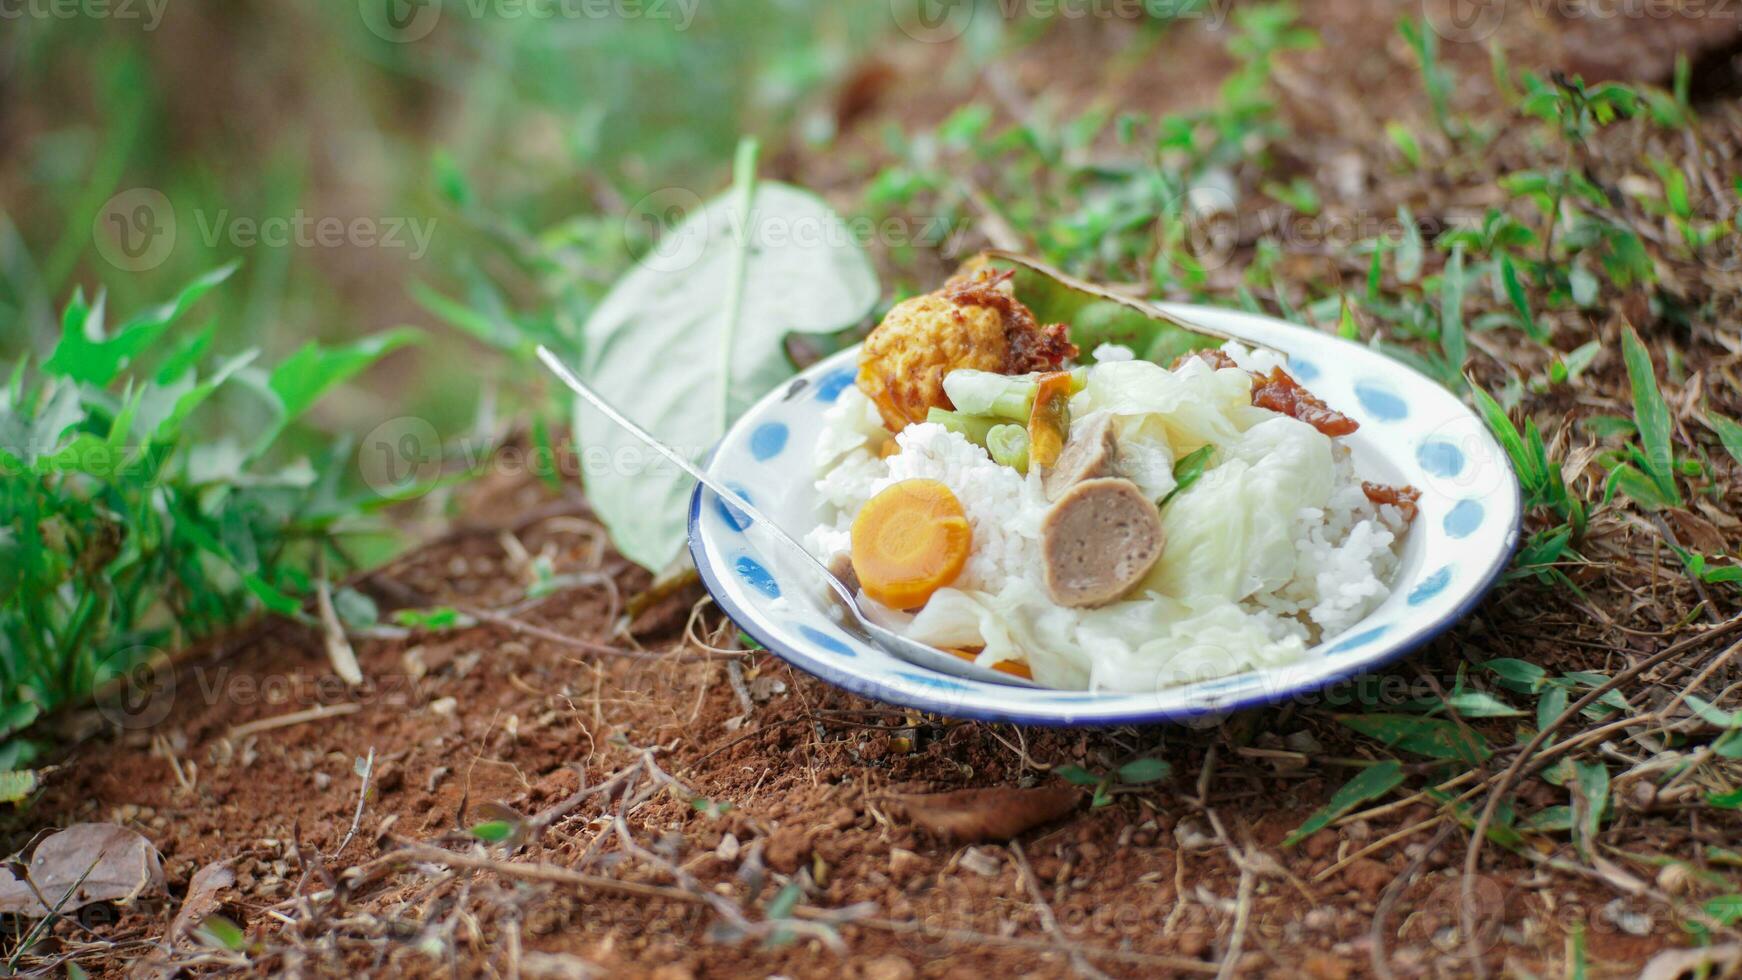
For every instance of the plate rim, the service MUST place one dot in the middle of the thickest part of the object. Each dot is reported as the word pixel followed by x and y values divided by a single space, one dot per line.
pixel 875 689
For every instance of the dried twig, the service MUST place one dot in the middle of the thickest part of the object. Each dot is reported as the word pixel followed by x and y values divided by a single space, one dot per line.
pixel 318 713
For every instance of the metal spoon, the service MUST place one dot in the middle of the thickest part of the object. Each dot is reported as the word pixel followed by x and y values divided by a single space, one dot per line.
pixel 854 622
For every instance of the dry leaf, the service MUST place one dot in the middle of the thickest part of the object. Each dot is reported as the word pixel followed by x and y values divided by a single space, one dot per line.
pixel 999 813
pixel 202 898
pixel 1696 533
pixel 1712 961
pixel 85 863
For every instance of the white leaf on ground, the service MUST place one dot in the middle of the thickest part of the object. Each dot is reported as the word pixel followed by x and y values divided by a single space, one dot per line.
pixel 691 336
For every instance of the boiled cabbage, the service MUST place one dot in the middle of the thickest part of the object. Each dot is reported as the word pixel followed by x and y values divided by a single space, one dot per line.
pixel 1231 534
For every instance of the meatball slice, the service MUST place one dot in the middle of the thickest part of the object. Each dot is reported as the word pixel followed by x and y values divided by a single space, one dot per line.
pixel 1100 539
pixel 1090 453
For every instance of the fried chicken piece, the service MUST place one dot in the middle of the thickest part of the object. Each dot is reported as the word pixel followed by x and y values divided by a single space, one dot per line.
pixel 972 322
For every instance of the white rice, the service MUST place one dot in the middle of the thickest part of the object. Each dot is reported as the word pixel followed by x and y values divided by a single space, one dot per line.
pixel 1345 553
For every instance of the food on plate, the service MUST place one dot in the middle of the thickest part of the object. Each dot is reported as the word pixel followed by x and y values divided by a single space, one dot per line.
pixel 1088 455
pixel 1103 522
pixel 1099 539
pixel 1049 420
pixel 974 322
pixel 908 542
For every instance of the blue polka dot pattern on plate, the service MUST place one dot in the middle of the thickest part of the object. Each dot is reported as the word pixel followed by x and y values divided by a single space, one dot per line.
pixel 752 572
pixel 1380 402
pixel 1431 586
pixel 1302 370
pixel 830 388
pixel 768 440
pixel 1440 458
pixel 1360 639
pixel 736 519
pixel 825 641
pixel 1464 519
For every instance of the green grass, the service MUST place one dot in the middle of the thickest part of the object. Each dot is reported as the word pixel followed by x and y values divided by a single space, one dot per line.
pixel 123 537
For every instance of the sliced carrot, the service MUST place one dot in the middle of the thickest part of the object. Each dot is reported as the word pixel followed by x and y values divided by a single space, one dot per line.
pixel 1015 668
pixel 1050 419
pixel 908 542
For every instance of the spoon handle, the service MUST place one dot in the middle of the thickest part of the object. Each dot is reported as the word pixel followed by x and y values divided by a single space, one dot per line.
pixel 726 493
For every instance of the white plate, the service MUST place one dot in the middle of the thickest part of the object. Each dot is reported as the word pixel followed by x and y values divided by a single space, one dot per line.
pixel 1412 431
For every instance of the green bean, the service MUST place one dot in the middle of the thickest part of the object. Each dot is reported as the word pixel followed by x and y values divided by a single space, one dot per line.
pixel 972 427
pixel 1008 445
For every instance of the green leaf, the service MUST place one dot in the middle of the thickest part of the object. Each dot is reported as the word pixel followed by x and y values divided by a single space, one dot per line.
pixel 1368 784
pixel 1651 414
pixel 1139 771
pixel 1188 469
pixel 1643 490
pixel 17 785
pixel 1432 737
pixel 164 406
pixel 1714 714
pixel 1076 775
pixel 785 901
pixel 1479 704
pixel 1548 820
pixel 86 353
pixel 1727 909
pixel 1591 783
pixel 18 716
pixel 434 619
pixel 1405 142
pixel 1519 675
pixel 693 334
pixel 1726 801
pixel 306 375
pixel 1582 357
pixel 220 932
pixel 1553 702
pixel 1729 433
pixel 493 831
pixel 356 609
pixel 1520 302
pixel 1608 426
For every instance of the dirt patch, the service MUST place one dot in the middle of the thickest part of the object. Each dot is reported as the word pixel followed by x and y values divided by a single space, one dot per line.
pixel 736 779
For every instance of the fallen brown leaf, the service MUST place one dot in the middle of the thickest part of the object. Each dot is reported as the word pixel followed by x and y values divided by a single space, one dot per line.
pixel 994 814
pixel 83 864
pixel 202 899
